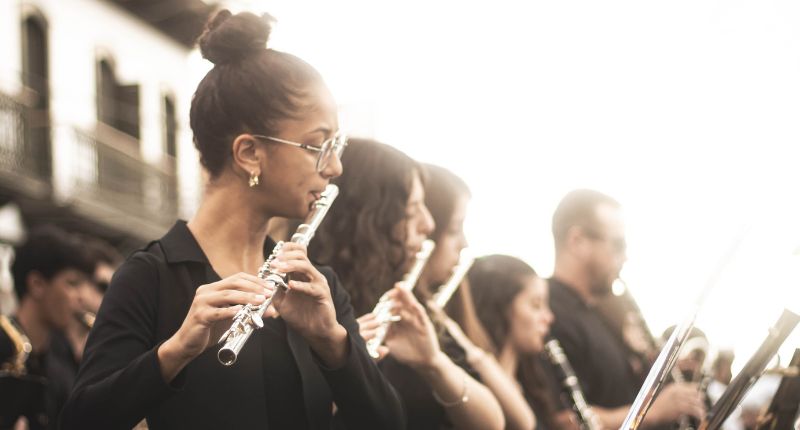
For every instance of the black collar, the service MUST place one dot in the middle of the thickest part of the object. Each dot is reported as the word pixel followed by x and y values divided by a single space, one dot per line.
pixel 180 245
pixel 566 293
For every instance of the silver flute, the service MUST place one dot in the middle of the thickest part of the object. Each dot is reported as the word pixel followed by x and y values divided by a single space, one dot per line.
pixel 587 418
pixel 383 310
pixel 248 319
pixel 446 291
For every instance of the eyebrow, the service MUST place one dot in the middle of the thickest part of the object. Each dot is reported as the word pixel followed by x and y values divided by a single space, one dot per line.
pixel 321 129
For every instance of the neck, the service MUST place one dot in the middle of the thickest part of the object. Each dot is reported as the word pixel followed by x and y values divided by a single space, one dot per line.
pixel 508 359
pixel 232 243
pixel 33 325
pixel 568 271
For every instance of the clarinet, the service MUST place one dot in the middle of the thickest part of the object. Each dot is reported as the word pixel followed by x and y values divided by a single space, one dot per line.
pixel 446 291
pixel 383 310
pixel 587 419
pixel 248 319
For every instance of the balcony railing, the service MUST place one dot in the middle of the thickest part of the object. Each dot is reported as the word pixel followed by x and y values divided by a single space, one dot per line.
pixel 24 147
pixel 115 177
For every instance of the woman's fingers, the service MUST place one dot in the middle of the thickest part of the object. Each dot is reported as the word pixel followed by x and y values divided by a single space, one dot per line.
pixel 211 315
pixel 233 297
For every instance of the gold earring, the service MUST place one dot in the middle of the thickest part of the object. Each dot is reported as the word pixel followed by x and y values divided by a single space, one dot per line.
pixel 253 180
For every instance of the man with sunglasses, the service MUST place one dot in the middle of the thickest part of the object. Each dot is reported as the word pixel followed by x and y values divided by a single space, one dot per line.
pixel 590 248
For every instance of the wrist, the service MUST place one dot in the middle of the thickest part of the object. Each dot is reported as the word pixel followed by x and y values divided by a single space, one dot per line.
pixel 331 347
pixel 171 358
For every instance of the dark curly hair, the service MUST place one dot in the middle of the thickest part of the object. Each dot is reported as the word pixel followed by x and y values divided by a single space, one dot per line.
pixel 249 89
pixel 357 238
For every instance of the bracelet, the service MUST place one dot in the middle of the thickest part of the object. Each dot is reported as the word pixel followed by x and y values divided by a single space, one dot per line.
pixel 462 400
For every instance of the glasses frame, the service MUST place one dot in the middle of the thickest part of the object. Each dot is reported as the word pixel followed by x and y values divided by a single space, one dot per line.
pixel 335 145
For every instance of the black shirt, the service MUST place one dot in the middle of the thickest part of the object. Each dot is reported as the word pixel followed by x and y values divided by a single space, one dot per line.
pixel 276 382
pixel 597 355
pixel 422 409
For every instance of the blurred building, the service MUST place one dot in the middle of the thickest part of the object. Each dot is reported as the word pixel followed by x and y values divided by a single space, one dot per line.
pixel 94 99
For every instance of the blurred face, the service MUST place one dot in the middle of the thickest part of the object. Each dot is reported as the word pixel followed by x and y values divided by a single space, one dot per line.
pixel 530 317
pixel 607 249
pixel 418 222
pixel 91 293
pixel 59 299
pixel 290 182
pixel 448 247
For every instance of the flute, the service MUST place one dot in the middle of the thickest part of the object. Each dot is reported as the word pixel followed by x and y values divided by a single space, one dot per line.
pixel 248 319
pixel 446 291
pixel 588 420
pixel 383 310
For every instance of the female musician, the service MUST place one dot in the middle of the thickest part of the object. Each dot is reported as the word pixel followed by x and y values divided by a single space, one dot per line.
pixel 376 227
pixel 514 311
pixel 266 128
pixel 446 195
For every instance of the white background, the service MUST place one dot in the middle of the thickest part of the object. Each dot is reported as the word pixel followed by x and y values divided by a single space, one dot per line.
pixel 686 111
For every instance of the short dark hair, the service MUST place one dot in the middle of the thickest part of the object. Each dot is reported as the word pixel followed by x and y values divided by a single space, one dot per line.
pixel 578 208
pixel 249 89
pixel 48 251
pixel 99 251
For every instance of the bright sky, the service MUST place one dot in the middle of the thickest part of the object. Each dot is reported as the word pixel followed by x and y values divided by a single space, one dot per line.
pixel 688 112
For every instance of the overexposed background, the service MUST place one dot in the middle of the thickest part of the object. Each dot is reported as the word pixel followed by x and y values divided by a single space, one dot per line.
pixel 687 112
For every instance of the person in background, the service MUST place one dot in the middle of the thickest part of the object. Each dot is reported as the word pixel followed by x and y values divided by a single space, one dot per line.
pixel 106 259
pixel 373 233
pixel 49 270
pixel 515 312
pixel 590 250
pixel 446 196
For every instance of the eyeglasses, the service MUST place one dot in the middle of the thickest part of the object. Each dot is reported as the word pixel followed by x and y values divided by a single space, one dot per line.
pixel 334 145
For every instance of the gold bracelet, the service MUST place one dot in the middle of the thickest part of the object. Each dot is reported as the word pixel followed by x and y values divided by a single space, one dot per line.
pixel 462 400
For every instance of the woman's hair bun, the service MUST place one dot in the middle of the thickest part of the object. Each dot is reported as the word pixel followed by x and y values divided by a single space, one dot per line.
pixel 229 38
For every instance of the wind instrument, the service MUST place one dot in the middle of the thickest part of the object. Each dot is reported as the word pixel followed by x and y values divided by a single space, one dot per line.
pixel 446 291
pixel 248 319
pixel 587 419
pixel 383 310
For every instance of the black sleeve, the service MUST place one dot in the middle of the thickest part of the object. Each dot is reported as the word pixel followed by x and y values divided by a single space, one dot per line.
pixel 364 397
pixel 120 379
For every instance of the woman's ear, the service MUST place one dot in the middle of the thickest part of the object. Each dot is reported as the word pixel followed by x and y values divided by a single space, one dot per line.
pixel 247 155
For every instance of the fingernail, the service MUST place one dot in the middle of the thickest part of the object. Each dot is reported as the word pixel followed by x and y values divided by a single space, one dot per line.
pixel 260 297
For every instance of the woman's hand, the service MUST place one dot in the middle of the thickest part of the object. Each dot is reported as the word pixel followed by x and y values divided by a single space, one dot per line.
pixel 411 340
pixel 368 327
pixel 213 308
pixel 306 305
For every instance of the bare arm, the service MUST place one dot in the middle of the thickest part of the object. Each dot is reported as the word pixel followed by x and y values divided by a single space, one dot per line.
pixel 518 413
pixel 412 341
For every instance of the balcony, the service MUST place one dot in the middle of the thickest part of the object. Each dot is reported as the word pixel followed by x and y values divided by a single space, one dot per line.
pixel 100 184
pixel 113 185
pixel 24 148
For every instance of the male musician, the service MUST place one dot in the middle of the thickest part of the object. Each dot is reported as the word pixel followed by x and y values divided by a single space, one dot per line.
pixel 49 269
pixel 590 251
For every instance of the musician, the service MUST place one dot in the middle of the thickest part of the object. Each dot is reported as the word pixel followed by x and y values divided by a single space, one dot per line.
pixel 515 312
pixel 590 251
pixel 49 270
pixel 105 260
pixel 376 228
pixel 266 128
pixel 447 196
